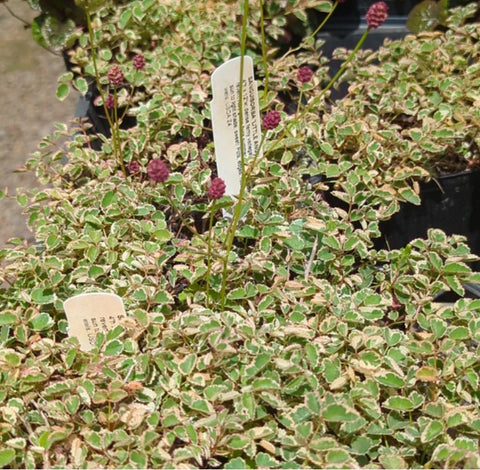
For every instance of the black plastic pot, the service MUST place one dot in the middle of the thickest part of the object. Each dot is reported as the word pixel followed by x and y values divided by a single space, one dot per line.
pixel 349 17
pixel 451 203
pixel 96 115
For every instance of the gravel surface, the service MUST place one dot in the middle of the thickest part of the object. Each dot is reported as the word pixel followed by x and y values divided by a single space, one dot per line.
pixel 28 109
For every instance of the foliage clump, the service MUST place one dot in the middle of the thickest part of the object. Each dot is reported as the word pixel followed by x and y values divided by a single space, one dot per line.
pixel 423 88
pixel 321 351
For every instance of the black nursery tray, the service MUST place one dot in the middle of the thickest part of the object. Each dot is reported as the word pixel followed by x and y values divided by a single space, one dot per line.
pixel 450 203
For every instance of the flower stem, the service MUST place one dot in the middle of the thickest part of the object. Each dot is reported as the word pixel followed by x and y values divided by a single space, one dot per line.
pixel 243 182
pixel 340 71
pixel 317 30
pixel 116 133
pixel 300 99
pixel 264 50
pixel 209 251
pixel 344 65
pixel 251 165
pixel 316 100
pixel 114 126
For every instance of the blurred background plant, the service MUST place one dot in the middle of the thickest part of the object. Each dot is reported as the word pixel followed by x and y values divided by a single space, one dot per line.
pixel 429 15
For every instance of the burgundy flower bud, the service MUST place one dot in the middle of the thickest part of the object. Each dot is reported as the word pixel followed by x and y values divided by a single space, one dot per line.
pixel 271 120
pixel 133 167
pixel 217 188
pixel 376 15
pixel 110 102
pixel 157 170
pixel 138 62
pixel 304 74
pixel 115 75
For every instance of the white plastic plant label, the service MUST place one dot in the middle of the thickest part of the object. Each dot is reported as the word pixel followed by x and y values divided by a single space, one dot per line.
pixel 225 112
pixel 89 314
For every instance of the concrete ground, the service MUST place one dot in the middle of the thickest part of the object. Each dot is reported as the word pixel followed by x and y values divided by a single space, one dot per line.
pixel 28 108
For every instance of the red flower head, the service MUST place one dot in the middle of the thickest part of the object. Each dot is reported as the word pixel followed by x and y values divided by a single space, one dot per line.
pixel 217 188
pixel 133 167
pixel 110 102
pixel 376 15
pixel 304 74
pixel 271 120
pixel 115 75
pixel 138 62
pixel 157 170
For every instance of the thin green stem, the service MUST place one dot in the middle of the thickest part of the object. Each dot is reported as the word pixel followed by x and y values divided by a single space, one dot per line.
pixel 238 208
pixel 264 50
pixel 316 100
pixel 95 66
pixel 116 132
pixel 129 102
pixel 229 241
pixel 113 125
pixel 344 65
pixel 317 30
pixel 252 164
pixel 299 105
pixel 340 71
pixel 209 251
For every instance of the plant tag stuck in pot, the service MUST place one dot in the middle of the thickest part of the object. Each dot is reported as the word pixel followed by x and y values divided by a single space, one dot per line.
pixel 89 314
pixel 225 110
